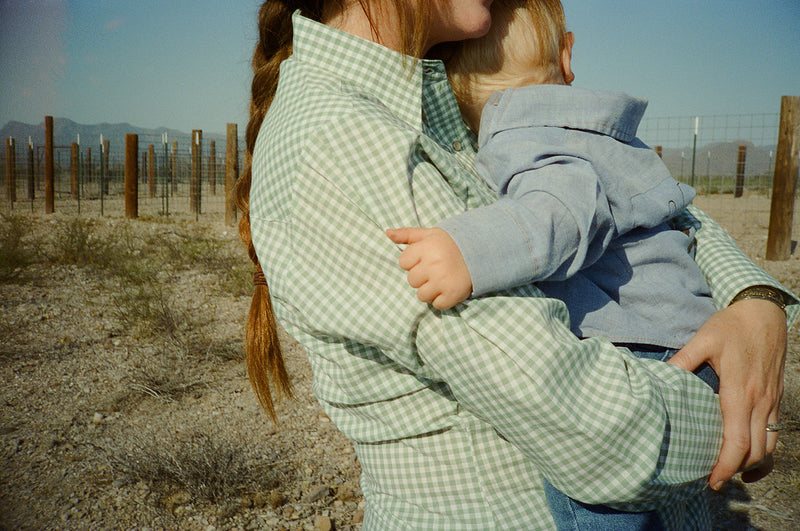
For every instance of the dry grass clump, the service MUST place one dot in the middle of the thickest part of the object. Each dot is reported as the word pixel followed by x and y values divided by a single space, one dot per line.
pixel 206 467
pixel 166 376
pixel 77 241
pixel 188 247
pixel 148 307
pixel 16 252
pixel 142 271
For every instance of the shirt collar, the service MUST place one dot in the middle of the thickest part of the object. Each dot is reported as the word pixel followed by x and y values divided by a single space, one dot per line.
pixel 610 113
pixel 395 79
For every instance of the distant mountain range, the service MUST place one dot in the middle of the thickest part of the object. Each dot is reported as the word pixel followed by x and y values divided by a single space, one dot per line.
pixel 712 159
pixel 65 132
pixel 719 158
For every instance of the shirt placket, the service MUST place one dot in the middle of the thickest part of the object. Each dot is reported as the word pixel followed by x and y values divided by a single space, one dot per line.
pixel 442 122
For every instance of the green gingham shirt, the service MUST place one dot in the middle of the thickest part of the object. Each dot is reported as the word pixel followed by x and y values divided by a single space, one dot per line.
pixel 454 414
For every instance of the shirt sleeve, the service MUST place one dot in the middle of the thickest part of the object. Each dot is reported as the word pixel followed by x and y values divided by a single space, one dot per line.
pixel 726 268
pixel 552 220
pixel 601 424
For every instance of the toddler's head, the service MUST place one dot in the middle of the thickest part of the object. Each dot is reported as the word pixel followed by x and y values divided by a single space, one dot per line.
pixel 528 44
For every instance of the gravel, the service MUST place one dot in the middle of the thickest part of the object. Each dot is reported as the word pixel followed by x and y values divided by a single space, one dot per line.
pixel 107 425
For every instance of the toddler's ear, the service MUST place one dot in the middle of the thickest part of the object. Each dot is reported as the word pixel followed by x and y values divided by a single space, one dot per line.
pixel 566 58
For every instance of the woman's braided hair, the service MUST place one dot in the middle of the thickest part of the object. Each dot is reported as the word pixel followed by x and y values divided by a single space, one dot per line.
pixel 262 349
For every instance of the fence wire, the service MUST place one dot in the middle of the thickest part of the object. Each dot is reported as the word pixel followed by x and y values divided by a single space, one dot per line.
pixel 728 159
pixel 164 185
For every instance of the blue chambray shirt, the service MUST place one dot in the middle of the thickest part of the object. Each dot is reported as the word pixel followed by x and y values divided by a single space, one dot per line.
pixel 583 211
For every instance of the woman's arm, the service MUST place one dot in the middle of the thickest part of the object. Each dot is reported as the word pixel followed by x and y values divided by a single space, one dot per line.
pixel 745 343
pixel 601 424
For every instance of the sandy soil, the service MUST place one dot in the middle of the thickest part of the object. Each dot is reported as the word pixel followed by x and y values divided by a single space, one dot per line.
pixel 116 418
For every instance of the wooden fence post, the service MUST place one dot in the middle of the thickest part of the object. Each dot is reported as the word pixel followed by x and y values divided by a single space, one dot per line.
pixel 787 162
pixel 151 168
pixel 73 171
pixel 195 184
pixel 165 171
pixel 39 164
pixel 740 164
pixel 231 172
pixel 212 167
pixel 49 167
pixel 11 170
pixel 131 176
pixel 15 168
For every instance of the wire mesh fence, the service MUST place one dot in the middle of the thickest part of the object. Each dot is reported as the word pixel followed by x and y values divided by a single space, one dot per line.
pixel 728 159
pixel 91 180
pixel 704 150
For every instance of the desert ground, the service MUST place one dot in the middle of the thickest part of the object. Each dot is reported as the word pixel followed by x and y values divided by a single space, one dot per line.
pixel 125 402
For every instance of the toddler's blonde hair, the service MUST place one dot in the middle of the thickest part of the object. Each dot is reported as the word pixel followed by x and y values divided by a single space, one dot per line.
pixel 528 34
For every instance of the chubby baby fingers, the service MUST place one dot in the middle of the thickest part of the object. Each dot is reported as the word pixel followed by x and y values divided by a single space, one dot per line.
pixel 416 277
pixel 427 292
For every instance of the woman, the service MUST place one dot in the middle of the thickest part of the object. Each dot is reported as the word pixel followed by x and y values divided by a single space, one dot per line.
pixel 455 415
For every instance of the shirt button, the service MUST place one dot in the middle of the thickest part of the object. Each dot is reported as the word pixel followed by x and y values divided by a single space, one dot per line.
pixel 457 145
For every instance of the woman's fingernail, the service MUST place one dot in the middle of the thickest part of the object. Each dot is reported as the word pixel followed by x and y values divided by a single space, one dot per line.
pixel 718 485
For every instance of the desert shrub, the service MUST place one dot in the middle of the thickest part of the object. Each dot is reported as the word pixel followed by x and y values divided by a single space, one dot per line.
pixel 16 254
pixel 71 242
pixel 207 467
pixel 147 307
pixel 150 309
pixel 237 280
pixel 77 241
pixel 226 260
pixel 167 375
pixel 182 249
pixel 203 252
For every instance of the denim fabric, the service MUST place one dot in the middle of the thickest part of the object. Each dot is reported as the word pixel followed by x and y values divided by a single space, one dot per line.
pixel 572 515
pixel 583 210
pixel 704 372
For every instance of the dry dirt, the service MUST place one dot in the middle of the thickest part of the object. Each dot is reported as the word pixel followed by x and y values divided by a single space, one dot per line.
pixel 116 418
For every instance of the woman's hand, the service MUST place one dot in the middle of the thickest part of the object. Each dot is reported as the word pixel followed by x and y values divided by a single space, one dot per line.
pixel 746 345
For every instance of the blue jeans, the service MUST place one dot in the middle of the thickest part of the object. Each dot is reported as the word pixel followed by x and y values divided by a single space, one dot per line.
pixel 573 515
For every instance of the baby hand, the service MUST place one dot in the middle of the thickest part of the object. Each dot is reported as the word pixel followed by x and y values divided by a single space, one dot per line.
pixel 434 264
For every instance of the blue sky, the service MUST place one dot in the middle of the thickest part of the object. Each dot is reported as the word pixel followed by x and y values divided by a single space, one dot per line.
pixel 185 64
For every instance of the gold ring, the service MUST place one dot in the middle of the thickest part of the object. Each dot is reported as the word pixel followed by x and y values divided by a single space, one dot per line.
pixel 774 427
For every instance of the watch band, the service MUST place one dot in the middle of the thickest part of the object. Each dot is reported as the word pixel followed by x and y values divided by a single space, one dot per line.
pixel 767 293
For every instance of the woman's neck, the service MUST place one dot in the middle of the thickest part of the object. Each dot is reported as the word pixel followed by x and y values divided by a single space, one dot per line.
pixel 354 20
